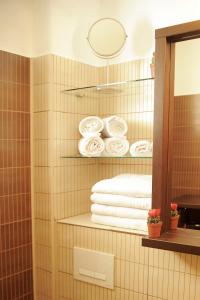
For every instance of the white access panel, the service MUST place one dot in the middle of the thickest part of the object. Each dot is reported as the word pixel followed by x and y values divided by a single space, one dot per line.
pixel 94 267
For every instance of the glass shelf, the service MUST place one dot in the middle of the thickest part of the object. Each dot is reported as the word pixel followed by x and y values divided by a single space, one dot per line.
pixel 102 157
pixel 106 89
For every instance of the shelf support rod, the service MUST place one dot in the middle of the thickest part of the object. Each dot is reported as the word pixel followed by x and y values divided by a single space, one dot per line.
pixel 107 71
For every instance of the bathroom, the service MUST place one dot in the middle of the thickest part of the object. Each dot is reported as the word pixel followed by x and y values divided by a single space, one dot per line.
pixel 50 248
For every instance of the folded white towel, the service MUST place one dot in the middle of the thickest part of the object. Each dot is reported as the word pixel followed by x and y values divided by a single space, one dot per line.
pixel 121 201
pixel 114 126
pixel 91 146
pixel 121 212
pixel 116 146
pixel 141 148
pixel 90 125
pixel 132 185
pixel 136 224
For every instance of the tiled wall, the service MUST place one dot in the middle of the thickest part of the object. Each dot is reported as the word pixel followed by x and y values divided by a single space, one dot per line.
pixel 140 273
pixel 133 102
pixel 15 190
pixel 61 185
pixel 186 146
pixel 62 188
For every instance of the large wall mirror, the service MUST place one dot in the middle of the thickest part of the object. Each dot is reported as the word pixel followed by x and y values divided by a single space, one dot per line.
pixel 186 133
pixel 176 151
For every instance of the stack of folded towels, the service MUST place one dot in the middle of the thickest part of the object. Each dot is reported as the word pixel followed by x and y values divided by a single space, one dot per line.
pixel 122 201
pixel 103 137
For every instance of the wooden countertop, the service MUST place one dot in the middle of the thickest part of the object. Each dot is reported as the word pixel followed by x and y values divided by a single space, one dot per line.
pixel 180 240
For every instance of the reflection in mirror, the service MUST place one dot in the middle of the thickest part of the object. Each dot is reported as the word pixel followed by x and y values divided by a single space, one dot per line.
pixel 186 133
pixel 107 37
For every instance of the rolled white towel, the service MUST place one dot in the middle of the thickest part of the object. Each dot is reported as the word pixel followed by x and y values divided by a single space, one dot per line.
pixel 90 125
pixel 121 201
pixel 91 146
pixel 151 147
pixel 121 212
pixel 116 146
pixel 141 148
pixel 133 185
pixel 135 224
pixel 114 126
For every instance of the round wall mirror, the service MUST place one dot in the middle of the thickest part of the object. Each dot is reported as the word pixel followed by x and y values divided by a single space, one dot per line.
pixel 107 37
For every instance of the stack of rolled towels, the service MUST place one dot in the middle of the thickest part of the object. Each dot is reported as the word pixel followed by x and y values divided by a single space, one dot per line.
pixel 103 137
pixel 122 201
pixel 107 137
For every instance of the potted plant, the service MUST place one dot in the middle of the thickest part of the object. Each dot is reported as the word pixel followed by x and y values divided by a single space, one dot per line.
pixel 174 216
pixel 153 222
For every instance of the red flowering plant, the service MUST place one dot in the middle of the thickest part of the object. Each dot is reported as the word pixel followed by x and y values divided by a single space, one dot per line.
pixel 153 216
pixel 174 211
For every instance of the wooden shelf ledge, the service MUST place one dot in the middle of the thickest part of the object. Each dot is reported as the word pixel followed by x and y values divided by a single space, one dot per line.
pixel 84 220
pixel 181 240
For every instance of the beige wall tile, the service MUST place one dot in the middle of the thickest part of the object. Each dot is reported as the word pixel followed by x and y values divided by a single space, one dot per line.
pixel 41 97
pixel 41 125
pixel 42 206
pixel 65 260
pixel 198 265
pixel 41 153
pixel 41 180
pixel 71 203
pixel 67 179
pixel 65 236
pixel 43 257
pixel 43 282
pixel 65 286
pixel 43 233
pixel 42 69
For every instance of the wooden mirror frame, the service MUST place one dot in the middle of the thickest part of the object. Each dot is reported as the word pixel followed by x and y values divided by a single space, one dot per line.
pixel 163 112
pixel 181 240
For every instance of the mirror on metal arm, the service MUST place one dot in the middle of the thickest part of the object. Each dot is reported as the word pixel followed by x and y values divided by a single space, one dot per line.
pixel 107 37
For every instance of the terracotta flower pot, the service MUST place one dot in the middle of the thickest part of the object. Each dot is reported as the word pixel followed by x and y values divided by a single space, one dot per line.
pixel 154 229
pixel 174 222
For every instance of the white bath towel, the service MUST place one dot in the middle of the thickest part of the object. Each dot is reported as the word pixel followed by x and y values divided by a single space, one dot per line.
pixel 141 148
pixel 136 224
pixel 114 126
pixel 116 146
pixel 121 201
pixel 121 212
pixel 91 146
pixel 133 185
pixel 90 125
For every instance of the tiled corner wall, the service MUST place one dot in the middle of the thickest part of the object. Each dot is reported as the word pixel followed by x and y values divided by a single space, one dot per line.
pixel 15 189
pixel 61 185
pixel 133 102
pixel 62 188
